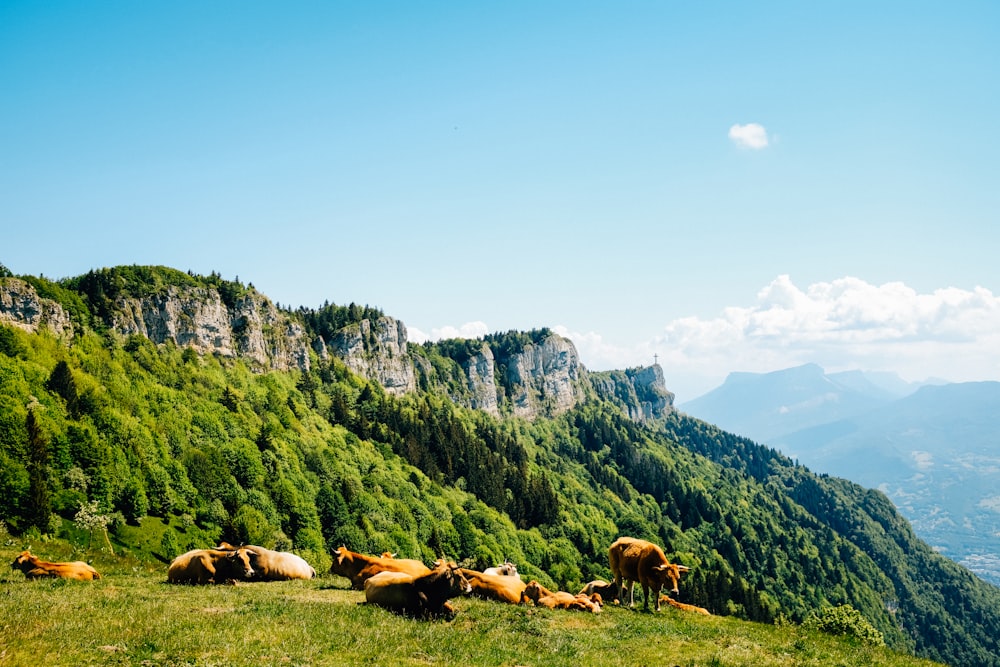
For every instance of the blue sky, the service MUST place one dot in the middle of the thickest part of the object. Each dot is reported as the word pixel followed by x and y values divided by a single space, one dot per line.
pixel 732 186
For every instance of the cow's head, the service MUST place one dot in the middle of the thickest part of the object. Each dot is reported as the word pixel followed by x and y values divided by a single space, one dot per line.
pixel 670 573
pixel 532 591
pixel 240 561
pixel 24 558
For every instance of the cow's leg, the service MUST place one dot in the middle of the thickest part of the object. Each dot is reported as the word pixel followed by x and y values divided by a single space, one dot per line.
pixel 656 596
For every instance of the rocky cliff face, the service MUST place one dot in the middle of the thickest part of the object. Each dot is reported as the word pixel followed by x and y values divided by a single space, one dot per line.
pixel 481 371
pixel 376 349
pixel 641 392
pixel 544 378
pixel 196 317
pixel 538 375
pixel 21 306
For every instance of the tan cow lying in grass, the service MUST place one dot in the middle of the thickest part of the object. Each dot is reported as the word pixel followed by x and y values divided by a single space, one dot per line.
pixel 499 587
pixel 34 568
pixel 635 560
pixel 271 565
pixel 426 595
pixel 208 566
pixel 683 606
pixel 359 567
pixel 543 597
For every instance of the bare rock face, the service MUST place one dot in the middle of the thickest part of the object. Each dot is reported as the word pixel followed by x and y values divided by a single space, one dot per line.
pixel 376 349
pixel 641 392
pixel 196 317
pixel 481 370
pixel 544 378
pixel 22 307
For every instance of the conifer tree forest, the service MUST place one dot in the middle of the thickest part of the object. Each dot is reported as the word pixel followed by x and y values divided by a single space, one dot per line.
pixel 109 432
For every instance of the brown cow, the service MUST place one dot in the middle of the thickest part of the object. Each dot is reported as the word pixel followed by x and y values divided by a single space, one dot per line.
pixel 271 565
pixel 604 589
pixel 635 560
pixel 502 588
pixel 34 568
pixel 684 607
pixel 423 596
pixel 359 567
pixel 543 597
pixel 206 566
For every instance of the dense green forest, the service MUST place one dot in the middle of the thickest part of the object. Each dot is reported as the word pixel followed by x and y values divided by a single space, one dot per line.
pixel 114 431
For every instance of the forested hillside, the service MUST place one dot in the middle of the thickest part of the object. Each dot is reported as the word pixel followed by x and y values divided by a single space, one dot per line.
pixel 103 428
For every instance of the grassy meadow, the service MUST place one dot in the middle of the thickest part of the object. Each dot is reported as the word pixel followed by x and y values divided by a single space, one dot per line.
pixel 133 617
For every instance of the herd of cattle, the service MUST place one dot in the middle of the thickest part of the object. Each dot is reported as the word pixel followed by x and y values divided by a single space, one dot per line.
pixel 408 586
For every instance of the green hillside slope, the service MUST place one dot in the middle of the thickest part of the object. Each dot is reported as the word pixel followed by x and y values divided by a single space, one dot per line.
pixel 176 450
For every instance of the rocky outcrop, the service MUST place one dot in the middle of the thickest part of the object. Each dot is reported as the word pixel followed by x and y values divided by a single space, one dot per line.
pixel 543 378
pixel 640 392
pixel 481 371
pixel 253 328
pixel 22 307
pixel 376 349
pixel 526 375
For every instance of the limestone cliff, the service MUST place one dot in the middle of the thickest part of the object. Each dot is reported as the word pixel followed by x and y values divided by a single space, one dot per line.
pixel 544 378
pixel 641 392
pixel 21 306
pixel 251 328
pixel 481 372
pixel 376 349
pixel 527 375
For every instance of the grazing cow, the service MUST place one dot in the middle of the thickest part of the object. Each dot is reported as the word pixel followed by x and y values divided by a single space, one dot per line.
pixel 271 565
pixel 508 569
pixel 423 596
pixel 600 587
pixel 359 567
pixel 543 597
pixel 684 607
pixel 34 568
pixel 635 560
pixel 206 566
pixel 494 586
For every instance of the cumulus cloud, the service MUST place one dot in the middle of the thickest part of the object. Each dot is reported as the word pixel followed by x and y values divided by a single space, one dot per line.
pixel 845 324
pixel 751 135
pixel 468 330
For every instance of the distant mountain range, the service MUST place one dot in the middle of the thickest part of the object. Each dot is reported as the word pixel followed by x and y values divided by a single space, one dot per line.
pixel 933 449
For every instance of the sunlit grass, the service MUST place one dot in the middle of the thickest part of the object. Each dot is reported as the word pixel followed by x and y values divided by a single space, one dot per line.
pixel 135 618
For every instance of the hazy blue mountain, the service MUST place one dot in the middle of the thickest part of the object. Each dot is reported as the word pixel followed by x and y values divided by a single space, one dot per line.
pixel 934 451
pixel 763 406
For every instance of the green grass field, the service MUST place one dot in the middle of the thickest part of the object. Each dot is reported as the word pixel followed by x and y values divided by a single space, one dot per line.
pixel 132 617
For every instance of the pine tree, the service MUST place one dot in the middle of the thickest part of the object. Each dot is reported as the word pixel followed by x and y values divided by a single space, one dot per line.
pixel 39 496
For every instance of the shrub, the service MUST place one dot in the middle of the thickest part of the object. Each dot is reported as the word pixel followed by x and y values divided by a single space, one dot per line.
pixel 845 620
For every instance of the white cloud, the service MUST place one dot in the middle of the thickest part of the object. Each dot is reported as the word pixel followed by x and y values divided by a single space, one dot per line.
pixel 467 330
pixel 751 135
pixel 844 324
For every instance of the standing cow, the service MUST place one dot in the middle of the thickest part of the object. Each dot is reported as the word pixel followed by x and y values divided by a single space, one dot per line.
pixel 635 560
